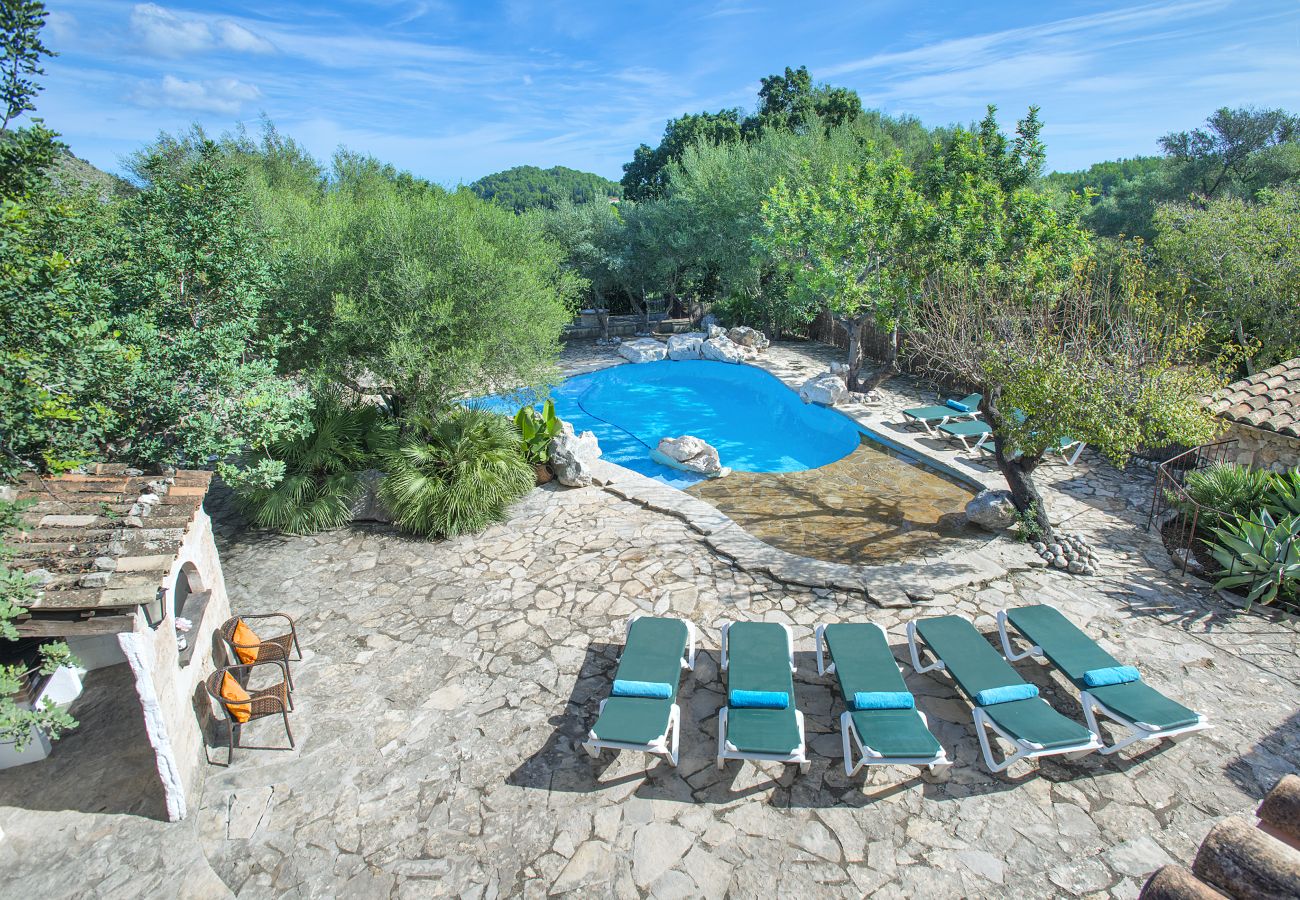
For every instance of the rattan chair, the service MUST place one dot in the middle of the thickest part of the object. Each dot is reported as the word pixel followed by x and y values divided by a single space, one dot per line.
pixel 269 649
pixel 268 701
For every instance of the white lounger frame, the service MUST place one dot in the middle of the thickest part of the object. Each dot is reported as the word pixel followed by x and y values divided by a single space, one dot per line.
pixel 965 439
pixel 957 416
pixel 728 750
pixel 662 745
pixel 849 737
pixel 1137 731
pixel 984 724
pixel 1069 452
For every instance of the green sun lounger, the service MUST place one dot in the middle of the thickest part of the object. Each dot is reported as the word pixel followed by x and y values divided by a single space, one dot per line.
pixel 654 654
pixel 1143 711
pixel 758 659
pixel 942 414
pixel 967 432
pixel 862 663
pixel 1029 724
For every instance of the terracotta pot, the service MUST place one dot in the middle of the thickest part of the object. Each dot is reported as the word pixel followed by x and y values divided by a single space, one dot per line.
pixel 543 473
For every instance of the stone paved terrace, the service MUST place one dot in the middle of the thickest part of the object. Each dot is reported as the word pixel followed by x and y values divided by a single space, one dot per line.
pixel 445 685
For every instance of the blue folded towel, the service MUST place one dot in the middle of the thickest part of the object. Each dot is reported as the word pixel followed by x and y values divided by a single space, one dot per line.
pixel 1006 694
pixel 654 690
pixel 957 405
pixel 1111 675
pixel 758 700
pixel 883 700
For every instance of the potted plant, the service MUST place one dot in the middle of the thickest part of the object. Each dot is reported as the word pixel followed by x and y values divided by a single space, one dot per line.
pixel 536 430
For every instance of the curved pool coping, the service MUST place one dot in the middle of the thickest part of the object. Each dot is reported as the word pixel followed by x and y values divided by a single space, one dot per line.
pixel 892 584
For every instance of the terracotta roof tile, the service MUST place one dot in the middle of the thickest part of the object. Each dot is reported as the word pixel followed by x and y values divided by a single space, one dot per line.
pixel 104 539
pixel 1269 399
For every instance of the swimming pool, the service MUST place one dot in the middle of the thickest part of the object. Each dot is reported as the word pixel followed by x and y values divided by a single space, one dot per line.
pixel 756 423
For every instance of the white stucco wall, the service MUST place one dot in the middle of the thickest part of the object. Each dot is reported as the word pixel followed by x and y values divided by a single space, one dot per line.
pixel 172 696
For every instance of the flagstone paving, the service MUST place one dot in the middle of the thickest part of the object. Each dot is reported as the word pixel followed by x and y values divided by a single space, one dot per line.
pixel 446 685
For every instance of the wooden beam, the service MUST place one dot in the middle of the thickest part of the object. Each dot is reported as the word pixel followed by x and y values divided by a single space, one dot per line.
pixel 44 627
pixel 1279 814
pixel 1177 883
pixel 1246 863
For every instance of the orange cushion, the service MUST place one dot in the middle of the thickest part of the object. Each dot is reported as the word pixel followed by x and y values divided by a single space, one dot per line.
pixel 246 643
pixel 238 705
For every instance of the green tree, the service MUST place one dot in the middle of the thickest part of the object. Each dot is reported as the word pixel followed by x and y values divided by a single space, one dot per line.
pixel 528 187
pixel 791 101
pixel 990 217
pixel 192 294
pixel 646 176
pixel 417 294
pixel 1229 148
pixel 16 593
pixel 1241 262
pixel 852 241
pixel 21 51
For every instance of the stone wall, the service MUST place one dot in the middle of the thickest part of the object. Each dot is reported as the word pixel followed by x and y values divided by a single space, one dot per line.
pixel 1263 449
pixel 176 708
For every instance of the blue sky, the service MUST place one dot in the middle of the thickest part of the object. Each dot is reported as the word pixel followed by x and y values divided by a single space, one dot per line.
pixel 453 91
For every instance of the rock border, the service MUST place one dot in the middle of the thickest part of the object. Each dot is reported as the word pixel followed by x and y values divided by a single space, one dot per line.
pixel 888 585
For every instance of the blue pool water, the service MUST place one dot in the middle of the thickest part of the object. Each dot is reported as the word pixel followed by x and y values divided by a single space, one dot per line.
pixel 756 422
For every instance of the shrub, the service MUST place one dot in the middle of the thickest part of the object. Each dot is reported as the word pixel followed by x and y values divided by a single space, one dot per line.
pixel 321 470
pixel 1261 555
pixel 456 473
pixel 536 429
pixel 1233 490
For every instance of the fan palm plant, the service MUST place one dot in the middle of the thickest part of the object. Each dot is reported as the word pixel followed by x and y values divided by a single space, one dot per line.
pixel 456 473
pixel 1228 490
pixel 322 476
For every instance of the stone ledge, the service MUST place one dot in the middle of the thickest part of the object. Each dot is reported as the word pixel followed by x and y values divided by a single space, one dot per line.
pixel 889 585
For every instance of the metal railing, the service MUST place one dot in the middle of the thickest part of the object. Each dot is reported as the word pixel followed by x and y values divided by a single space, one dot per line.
pixel 1171 495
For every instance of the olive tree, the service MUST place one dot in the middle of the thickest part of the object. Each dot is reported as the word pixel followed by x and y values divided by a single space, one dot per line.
pixel 1098 360
pixel 852 241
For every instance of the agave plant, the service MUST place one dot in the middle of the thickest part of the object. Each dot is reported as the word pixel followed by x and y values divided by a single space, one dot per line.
pixel 321 470
pixel 1260 554
pixel 536 430
pixel 1284 494
pixel 1229 489
pixel 456 473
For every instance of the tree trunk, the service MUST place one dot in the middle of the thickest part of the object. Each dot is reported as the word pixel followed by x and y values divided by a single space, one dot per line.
pixel 1241 339
pixel 1018 472
pixel 853 328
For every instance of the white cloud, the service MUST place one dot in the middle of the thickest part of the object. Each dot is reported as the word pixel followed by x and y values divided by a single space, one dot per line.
pixel 164 33
pixel 234 36
pixel 62 25
pixel 218 95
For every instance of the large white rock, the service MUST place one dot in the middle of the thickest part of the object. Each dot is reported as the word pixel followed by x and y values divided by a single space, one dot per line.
pixel 642 350
pixel 825 389
pixel 992 510
pixel 715 331
pixel 572 454
pixel 690 454
pixel 749 337
pixel 722 349
pixel 685 346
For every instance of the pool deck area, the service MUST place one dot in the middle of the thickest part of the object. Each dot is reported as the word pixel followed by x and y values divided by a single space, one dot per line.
pixel 446 685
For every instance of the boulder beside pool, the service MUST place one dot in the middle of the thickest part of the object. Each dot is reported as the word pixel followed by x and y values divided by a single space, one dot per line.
pixel 825 389
pixel 686 346
pixel 690 454
pixel 642 350
pixel 571 456
pixel 721 348
pixel 992 510
pixel 749 337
